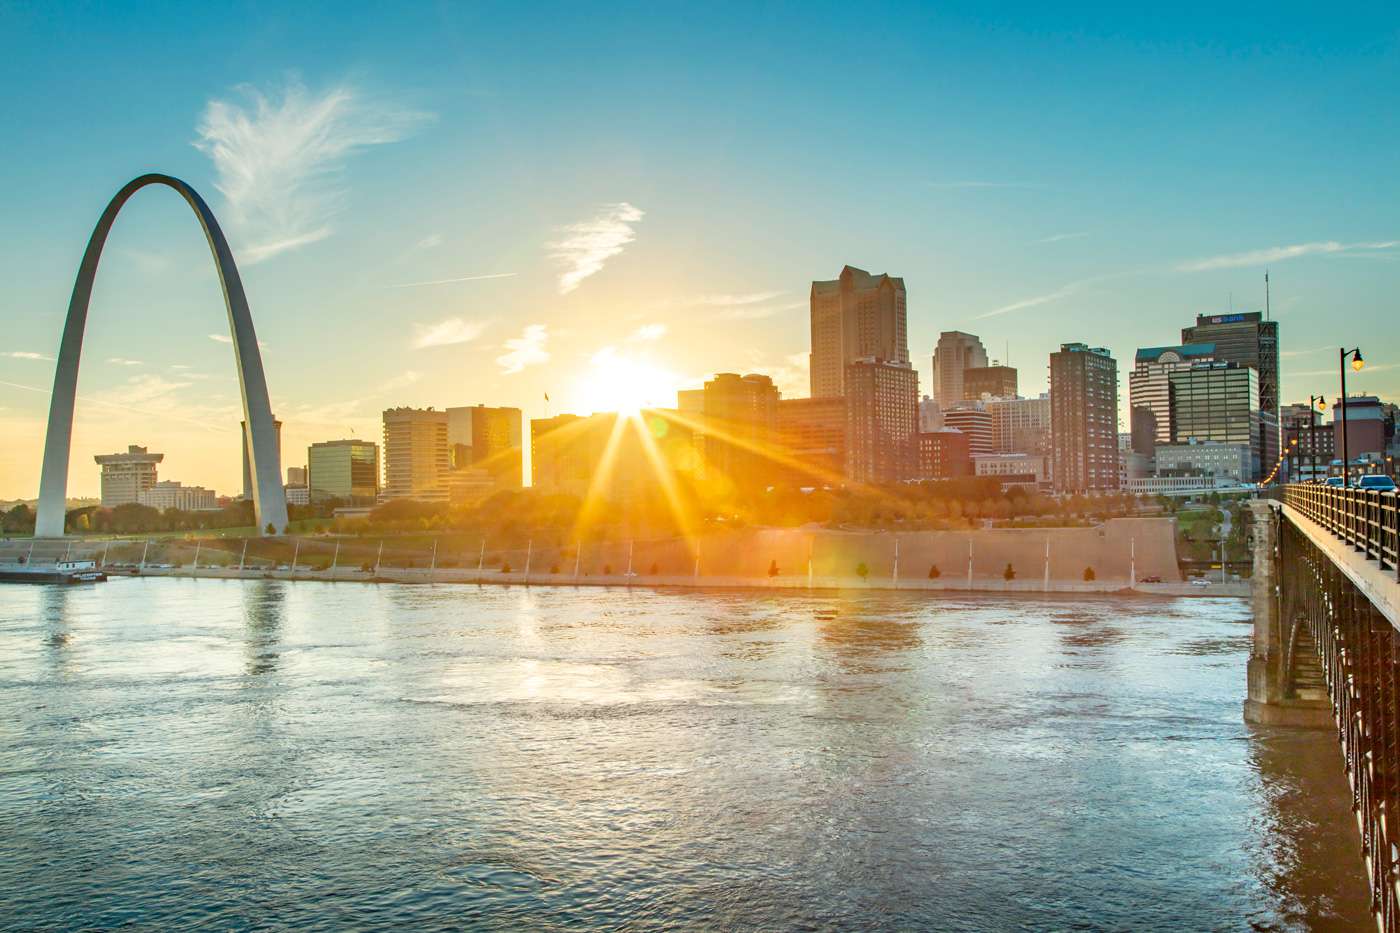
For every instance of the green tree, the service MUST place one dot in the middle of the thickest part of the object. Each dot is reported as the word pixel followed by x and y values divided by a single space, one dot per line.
pixel 773 568
pixel 862 571
pixel 933 572
pixel 1009 573
pixel 1088 574
pixel 270 529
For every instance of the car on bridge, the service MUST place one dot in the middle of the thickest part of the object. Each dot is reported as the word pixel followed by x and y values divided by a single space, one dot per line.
pixel 1333 481
pixel 1375 482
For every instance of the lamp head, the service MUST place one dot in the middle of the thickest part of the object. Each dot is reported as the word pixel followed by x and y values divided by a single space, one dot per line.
pixel 1321 404
pixel 1357 363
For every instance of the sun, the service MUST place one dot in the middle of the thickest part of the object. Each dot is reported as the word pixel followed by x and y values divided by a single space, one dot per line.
pixel 626 385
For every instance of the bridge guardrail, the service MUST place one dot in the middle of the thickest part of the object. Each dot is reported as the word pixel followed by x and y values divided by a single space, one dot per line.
pixel 1367 519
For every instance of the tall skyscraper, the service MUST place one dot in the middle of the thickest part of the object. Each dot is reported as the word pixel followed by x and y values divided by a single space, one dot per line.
pixel 1251 341
pixel 346 469
pixel 417 458
pixel 1148 387
pixel 126 476
pixel 741 423
pixel 856 316
pixel 954 354
pixel 1084 418
pixel 882 421
pixel 487 439
pixel 1217 401
pixel 996 381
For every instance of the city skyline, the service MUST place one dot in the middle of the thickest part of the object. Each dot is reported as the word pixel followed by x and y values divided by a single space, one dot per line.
pixel 589 250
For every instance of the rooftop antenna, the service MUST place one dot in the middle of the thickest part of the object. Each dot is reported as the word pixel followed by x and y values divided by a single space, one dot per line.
pixel 1266 294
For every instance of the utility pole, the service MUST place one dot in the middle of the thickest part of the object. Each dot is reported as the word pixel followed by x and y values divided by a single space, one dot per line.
pixel 335 559
pixel 378 559
pixel 197 546
pixel 630 546
pixel 432 565
pixel 578 553
pixel 481 557
pixel 244 556
pixel 969 560
pixel 144 548
pixel 895 575
pixel 296 552
pixel 529 552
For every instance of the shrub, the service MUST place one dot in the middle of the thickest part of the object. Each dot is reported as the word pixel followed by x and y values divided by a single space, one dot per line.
pixel 553 568
pixel 933 572
pixel 773 569
pixel 607 570
pixel 1009 573
pixel 1088 574
pixel 862 571
pixel 270 529
pixel 655 569
pixel 505 566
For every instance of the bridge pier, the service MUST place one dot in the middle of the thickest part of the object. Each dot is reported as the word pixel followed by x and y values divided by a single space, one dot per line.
pixel 1272 698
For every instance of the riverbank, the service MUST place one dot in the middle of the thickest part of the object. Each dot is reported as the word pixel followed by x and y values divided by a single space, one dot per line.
pixel 425 576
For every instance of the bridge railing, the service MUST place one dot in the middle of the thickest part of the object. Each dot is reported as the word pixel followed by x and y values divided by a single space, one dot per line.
pixel 1367 519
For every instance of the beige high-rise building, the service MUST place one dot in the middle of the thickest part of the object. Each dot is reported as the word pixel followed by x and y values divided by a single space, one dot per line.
pixel 173 494
pixel 855 317
pixel 740 428
pixel 126 476
pixel 955 353
pixel 1084 418
pixel 417 456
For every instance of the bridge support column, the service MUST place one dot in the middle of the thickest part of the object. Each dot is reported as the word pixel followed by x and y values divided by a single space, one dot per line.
pixel 1271 699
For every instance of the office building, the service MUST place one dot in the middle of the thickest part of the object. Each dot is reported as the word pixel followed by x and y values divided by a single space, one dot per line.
pixel 1216 401
pixel 930 414
pixel 1316 442
pixel 954 354
pixel 691 401
pixel 1148 388
pixel 126 476
pixel 1249 340
pixel 296 476
pixel 1366 429
pixel 995 381
pixel 740 429
pixel 1028 471
pixel 1233 462
pixel 417 458
pixel 854 317
pixel 943 454
pixel 297 494
pixel 247 464
pixel 812 438
pixel 608 457
pixel 170 494
pixel 976 422
pixel 882 418
pixel 1020 425
pixel 1084 418
pixel 487 439
pixel 347 470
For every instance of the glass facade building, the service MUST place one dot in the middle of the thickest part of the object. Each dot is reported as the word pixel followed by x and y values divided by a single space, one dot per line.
pixel 346 470
pixel 1217 401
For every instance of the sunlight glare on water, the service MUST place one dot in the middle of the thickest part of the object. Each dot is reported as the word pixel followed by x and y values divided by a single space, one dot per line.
pixel 231 753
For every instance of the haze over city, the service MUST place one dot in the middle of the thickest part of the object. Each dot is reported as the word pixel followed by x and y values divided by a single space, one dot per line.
pixel 491 205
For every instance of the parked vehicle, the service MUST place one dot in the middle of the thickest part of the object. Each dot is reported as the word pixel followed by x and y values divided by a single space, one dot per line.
pixel 1152 579
pixel 1377 483
pixel 1200 581
pixel 1333 481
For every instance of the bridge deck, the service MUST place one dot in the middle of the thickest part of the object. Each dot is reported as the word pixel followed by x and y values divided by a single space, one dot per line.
pixel 1379 586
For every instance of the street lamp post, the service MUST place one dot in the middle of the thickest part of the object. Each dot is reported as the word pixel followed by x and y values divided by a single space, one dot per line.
pixel 1356 363
pixel 1316 405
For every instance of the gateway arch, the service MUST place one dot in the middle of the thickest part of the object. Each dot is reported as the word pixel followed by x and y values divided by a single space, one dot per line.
pixel 269 499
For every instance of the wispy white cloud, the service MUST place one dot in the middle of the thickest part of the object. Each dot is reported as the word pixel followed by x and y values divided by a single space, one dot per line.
pixel 446 332
pixel 584 247
pixel 525 350
pixel 1370 368
pixel 758 312
pixel 647 333
pixel 729 301
pixel 1032 302
pixel 401 381
pixel 1260 257
pixel 280 159
pixel 464 278
pixel 430 241
pixel 1289 354
pixel 122 361
pixel 1059 237
pixel 26 355
pixel 225 338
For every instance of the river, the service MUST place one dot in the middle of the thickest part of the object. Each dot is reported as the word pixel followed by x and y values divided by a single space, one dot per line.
pixel 235 754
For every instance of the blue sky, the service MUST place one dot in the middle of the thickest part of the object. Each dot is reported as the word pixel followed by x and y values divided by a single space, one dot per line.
pixel 650 189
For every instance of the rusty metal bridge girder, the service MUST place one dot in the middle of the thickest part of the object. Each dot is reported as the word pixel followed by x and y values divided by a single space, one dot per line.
pixel 1359 651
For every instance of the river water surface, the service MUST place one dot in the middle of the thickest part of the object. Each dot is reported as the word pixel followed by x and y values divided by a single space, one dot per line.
pixel 256 754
